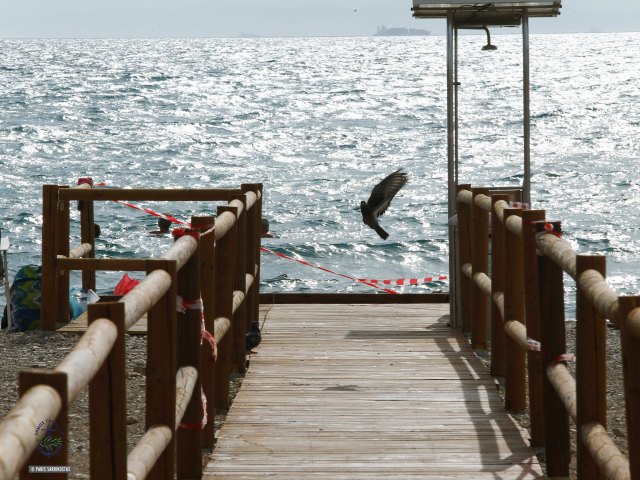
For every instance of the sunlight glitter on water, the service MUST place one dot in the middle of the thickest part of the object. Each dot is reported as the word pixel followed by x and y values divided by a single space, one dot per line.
pixel 320 121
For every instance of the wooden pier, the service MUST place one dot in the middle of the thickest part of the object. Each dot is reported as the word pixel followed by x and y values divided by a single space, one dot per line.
pixel 342 386
pixel 364 392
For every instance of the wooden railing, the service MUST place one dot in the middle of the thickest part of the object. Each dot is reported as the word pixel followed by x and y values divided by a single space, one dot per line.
pixel 529 258
pixel 207 281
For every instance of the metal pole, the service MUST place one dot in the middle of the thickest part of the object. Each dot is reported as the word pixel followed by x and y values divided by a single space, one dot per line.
pixel 456 310
pixel 526 185
pixel 455 107
pixel 7 291
pixel 451 186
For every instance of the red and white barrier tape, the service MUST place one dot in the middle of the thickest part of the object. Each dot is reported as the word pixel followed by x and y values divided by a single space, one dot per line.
pixel 565 357
pixel 150 212
pixel 205 419
pixel 182 306
pixel 282 255
pixel 371 283
pixel 548 229
pixel 131 205
pixel 405 281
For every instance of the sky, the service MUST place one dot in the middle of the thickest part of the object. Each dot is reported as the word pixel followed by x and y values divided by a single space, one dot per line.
pixel 231 18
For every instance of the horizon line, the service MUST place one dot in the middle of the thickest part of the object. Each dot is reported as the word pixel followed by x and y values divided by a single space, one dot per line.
pixel 251 36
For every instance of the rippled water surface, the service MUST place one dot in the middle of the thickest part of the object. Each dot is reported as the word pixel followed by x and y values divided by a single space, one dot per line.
pixel 319 121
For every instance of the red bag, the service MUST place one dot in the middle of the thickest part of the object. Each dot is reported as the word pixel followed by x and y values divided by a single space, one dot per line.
pixel 125 285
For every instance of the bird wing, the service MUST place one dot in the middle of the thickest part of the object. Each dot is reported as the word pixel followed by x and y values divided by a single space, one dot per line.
pixel 383 192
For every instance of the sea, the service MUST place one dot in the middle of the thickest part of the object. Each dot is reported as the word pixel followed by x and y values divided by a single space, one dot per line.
pixel 320 121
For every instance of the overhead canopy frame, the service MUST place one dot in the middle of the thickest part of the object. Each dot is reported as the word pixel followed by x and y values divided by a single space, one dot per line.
pixel 497 13
pixel 462 14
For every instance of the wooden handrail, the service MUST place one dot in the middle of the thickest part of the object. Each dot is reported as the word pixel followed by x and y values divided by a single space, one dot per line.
pixel 239 205
pixel 17 439
pixel 221 327
pixel 181 251
pixel 105 264
pixel 80 251
pixel 238 298
pixel 185 382
pixel 147 451
pixel 248 282
pixel 518 332
pixel 483 281
pixel 88 355
pixel 149 194
pixel 564 385
pixel 252 198
pixel 514 225
pixel 498 209
pixel 528 260
pixel 606 454
pixel 498 301
pixel 483 201
pixel 465 196
pixel 97 360
pixel 467 269
pixel 600 294
pixel 147 293
pixel 224 223
pixel 560 251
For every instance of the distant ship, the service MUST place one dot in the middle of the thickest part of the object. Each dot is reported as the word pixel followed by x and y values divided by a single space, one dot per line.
pixel 400 32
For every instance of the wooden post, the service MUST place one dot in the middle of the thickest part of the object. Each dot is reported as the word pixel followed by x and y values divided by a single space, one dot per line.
pixel 63 249
pixel 108 402
pixel 58 427
pixel 515 381
pixel 553 343
pixel 480 261
pixel 239 325
pixel 256 308
pixel 207 292
pixel 464 257
pixel 254 218
pixel 87 235
pixel 254 235
pixel 189 335
pixel 49 295
pixel 498 265
pixel 591 366
pixel 631 368
pixel 161 367
pixel 532 314
pixel 225 255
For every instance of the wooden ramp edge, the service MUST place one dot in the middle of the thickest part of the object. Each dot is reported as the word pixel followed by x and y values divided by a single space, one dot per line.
pixel 367 392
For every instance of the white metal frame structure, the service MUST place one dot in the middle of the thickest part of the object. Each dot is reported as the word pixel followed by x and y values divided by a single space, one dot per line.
pixel 466 15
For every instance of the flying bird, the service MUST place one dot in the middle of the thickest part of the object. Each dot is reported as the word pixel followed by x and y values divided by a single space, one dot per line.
pixel 380 198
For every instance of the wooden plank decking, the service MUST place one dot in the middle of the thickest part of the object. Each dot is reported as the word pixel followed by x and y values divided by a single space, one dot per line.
pixel 367 392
